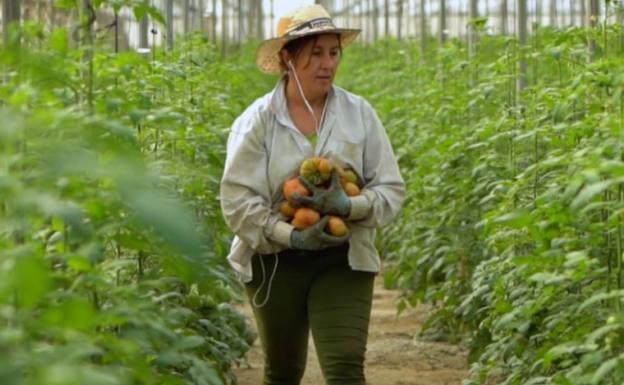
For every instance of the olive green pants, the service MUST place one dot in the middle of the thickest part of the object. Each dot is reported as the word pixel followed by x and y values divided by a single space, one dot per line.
pixel 314 291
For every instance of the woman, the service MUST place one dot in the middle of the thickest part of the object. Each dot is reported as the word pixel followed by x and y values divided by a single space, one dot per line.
pixel 301 280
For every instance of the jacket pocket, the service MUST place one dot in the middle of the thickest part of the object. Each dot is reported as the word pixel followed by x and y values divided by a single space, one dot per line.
pixel 348 154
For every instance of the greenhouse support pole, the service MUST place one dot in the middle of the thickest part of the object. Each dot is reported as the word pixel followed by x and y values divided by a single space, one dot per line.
pixel 399 19
pixel 240 28
pixel 40 15
pixel 620 20
pixel 460 20
pixel 169 19
pixel 472 41
pixel 185 14
pixel 552 14
pixel 116 34
pixel 272 18
pixel 386 17
pixel 472 29
pixel 224 27
pixel 52 15
pixel 375 20
pixel 87 20
pixel 503 17
pixel 11 13
pixel 358 14
pixel 423 29
pixel 442 30
pixel 408 21
pixel 594 15
pixel 523 37
pixel 251 9
pixel 259 20
pixel 144 32
pixel 213 22
pixel 367 25
pixel 201 9
pixel 539 14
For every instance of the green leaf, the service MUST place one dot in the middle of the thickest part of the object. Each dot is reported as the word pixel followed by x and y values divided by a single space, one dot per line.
pixel 172 222
pixel 605 369
pixel 548 278
pixel 73 314
pixel 597 335
pixel 139 12
pixel 190 342
pixel 562 350
pixel 65 4
pixel 203 373
pixel 31 280
pixel 516 219
pixel 590 191
pixel 538 380
pixel 156 15
pixel 58 41
pixel 601 296
pixel 79 263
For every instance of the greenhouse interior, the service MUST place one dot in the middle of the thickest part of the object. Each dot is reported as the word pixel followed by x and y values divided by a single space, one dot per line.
pixel 214 192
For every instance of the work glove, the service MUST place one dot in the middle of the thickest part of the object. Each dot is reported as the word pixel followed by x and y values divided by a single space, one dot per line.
pixel 331 201
pixel 314 238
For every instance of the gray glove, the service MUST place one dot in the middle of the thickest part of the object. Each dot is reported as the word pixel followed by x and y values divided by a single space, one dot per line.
pixel 314 238
pixel 331 201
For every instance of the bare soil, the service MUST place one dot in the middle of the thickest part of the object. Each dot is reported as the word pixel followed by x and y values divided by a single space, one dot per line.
pixel 395 356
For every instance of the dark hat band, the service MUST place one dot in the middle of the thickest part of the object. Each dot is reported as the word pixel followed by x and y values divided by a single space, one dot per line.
pixel 313 24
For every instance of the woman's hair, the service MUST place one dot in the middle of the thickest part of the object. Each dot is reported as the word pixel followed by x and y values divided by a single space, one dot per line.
pixel 294 47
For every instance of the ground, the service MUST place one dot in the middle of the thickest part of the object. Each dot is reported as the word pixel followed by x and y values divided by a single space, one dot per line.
pixel 395 356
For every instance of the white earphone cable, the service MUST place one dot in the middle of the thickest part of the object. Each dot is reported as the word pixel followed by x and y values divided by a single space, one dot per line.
pixel 317 124
pixel 254 300
pixel 317 127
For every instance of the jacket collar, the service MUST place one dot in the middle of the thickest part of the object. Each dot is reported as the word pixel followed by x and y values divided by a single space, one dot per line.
pixel 280 108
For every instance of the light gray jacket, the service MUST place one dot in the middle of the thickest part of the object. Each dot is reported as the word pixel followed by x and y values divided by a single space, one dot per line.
pixel 265 149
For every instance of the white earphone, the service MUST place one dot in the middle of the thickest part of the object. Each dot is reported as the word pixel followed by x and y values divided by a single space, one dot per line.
pixel 317 123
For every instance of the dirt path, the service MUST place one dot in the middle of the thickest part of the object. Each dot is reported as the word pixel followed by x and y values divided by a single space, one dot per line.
pixel 394 356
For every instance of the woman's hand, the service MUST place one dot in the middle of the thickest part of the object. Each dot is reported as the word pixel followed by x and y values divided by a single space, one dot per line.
pixel 314 238
pixel 331 201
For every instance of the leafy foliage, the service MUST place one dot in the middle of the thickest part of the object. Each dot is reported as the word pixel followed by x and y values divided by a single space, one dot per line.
pixel 513 222
pixel 112 245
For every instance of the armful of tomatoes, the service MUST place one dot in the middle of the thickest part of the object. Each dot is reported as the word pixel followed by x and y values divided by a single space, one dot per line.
pixel 321 190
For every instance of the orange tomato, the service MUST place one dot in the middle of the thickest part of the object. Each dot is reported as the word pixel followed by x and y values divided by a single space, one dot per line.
pixel 305 217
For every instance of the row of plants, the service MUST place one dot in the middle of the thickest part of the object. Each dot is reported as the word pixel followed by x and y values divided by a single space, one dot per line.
pixel 112 244
pixel 513 226
pixel 112 264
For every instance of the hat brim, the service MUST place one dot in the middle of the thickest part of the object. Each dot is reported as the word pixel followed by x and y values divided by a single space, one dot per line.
pixel 267 54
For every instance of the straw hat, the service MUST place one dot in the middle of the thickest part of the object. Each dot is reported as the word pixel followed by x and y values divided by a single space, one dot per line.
pixel 304 21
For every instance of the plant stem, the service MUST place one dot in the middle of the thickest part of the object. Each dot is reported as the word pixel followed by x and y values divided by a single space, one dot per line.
pixel 620 199
pixel 535 49
pixel 605 220
pixel 116 33
pixel 619 250
pixel 536 176
pixel 604 28
pixel 65 237
pixel 140 265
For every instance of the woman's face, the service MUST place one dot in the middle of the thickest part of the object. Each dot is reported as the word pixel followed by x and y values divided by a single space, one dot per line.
pixel 316 64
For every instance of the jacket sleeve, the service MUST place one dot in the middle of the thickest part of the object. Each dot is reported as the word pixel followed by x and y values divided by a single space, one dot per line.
pixel 384 188
pixel 244 194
